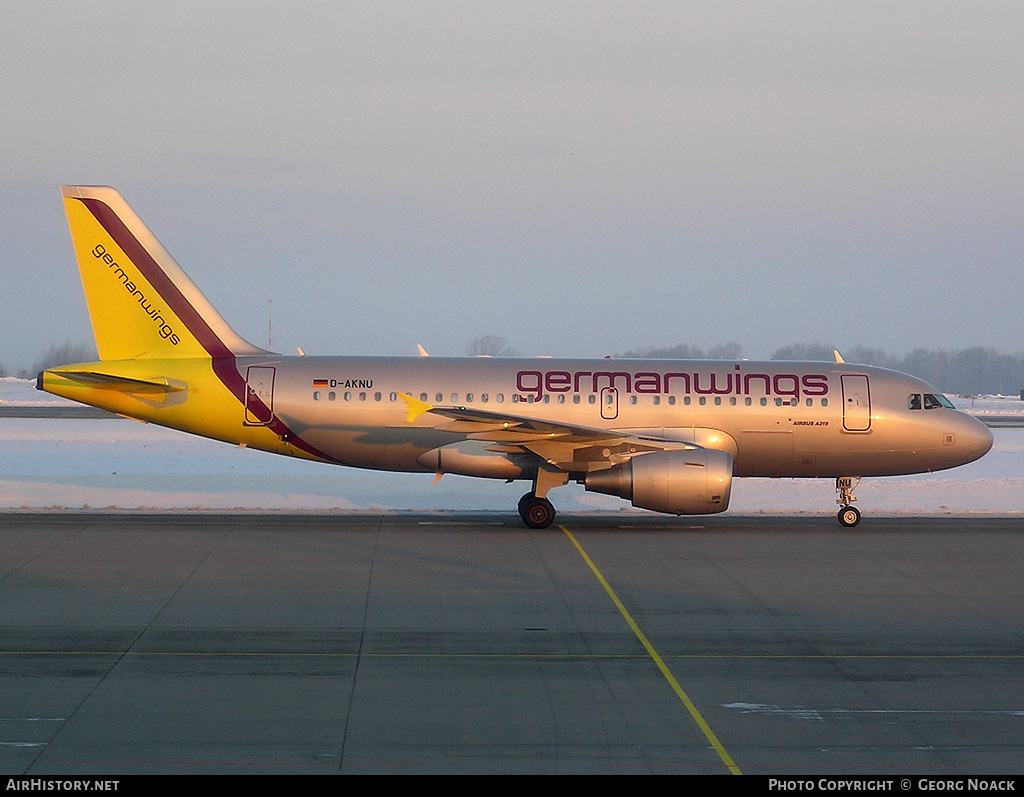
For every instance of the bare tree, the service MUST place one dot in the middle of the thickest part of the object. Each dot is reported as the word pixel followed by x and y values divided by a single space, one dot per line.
pixel 490 346
pixel 63 354
pixel 684 351
pixel 725 351
pixel 813 352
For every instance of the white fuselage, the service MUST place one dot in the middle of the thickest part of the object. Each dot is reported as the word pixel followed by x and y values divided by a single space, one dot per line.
pixel 776 418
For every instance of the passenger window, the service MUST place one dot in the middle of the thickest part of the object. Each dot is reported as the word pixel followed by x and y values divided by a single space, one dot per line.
pixel 332 396
pixel 316 395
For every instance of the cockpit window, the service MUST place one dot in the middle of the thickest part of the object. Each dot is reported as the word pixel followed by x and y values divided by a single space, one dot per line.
pixel 933 401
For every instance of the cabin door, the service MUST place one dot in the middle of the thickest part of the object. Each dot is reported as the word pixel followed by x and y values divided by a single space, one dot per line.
pixel 259 395
pixel 609 403
pixel 856 403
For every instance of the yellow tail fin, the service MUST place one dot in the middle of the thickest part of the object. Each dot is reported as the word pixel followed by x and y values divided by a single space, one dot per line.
pixel 142 304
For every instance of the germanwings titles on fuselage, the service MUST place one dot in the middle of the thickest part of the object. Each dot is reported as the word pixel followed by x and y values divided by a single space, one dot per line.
pixel 537 383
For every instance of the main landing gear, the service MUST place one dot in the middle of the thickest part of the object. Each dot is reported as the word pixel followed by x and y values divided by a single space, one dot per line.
pixel 849 515
pixel 537 513
pixel 535 509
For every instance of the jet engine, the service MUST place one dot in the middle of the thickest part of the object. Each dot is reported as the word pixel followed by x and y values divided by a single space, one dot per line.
pixel 691 482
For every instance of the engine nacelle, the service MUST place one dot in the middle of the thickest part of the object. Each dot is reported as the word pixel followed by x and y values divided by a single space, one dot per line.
pixel 693 482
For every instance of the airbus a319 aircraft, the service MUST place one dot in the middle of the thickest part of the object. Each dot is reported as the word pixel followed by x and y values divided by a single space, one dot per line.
pixel 667 435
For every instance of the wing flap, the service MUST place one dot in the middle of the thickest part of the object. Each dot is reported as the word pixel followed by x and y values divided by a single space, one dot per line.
pixel 568 447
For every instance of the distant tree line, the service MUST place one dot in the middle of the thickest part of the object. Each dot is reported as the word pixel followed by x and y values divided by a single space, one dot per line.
pixel 58 354
pixel 973 370
pixel 966 371
pixel 684 351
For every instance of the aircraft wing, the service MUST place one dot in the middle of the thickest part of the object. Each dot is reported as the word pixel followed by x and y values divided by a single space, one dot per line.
pixel 568 447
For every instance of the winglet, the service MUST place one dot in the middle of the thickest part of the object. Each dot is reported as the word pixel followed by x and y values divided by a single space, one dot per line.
pixel 421 350
pixel 838 356
pixel 414 406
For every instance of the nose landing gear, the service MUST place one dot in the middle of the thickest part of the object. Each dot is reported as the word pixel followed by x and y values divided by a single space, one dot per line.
pixel 849 515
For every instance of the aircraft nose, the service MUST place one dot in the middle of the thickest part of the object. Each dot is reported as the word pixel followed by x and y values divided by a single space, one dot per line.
pixel 976 438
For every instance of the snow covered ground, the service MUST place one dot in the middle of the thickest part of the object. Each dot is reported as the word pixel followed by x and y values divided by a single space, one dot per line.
pixel 120 464
pixel 16 392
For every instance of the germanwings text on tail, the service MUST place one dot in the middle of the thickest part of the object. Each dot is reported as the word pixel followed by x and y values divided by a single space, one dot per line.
pixel 668 435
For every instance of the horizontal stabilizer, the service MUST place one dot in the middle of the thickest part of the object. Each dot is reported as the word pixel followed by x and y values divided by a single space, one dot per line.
pixel 157 386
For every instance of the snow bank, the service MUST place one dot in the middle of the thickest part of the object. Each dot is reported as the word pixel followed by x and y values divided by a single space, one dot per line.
pixel 120 464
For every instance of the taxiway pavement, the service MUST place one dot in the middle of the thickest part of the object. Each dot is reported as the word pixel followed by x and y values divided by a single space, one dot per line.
pixel 458 643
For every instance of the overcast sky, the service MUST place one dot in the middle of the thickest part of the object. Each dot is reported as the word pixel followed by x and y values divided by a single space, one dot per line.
pixel 582 179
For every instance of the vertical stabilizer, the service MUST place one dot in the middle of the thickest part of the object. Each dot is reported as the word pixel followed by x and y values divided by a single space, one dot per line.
pixel 141 302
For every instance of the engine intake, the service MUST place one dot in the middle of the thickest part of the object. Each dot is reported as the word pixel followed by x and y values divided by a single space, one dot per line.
pixel 691 482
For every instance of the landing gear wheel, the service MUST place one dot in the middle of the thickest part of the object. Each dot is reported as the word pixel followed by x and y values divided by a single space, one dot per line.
pixel 522 505
pixel 537 513
pixel 849 516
